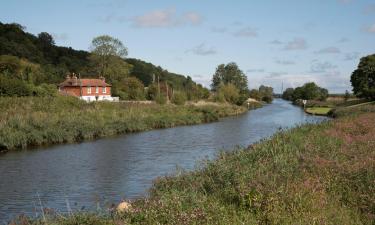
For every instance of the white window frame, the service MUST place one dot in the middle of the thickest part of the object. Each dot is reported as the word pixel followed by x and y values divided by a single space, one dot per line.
pixel 97 90
pixel 88 89
pixel 104 90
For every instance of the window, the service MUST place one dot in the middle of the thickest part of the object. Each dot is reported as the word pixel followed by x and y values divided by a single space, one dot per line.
pixel 96 89
pixel 88 90
pixel 104 90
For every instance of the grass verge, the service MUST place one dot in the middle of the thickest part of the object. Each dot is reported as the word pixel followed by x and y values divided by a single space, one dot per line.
pixel 312 174
pixel 322 111
pixel 35 121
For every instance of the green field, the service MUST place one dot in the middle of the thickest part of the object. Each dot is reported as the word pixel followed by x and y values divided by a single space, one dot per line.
pixel 318 110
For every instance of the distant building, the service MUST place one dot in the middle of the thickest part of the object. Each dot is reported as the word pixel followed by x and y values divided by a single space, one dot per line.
pixel 86 89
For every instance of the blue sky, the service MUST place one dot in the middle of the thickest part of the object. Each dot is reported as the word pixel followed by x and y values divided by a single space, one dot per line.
pixel 273 42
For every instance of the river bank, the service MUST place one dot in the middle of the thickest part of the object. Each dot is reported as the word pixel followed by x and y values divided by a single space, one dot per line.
pixel 35 121
pixel 316 173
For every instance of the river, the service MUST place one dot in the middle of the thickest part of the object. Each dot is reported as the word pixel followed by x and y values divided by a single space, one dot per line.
pixel 97 173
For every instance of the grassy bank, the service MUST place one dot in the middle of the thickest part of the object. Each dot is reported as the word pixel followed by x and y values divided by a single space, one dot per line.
pixel 313 174
pixel 321 111
pixel 35 121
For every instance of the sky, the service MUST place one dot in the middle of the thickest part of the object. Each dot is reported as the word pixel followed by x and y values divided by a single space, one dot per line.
pixel 275 43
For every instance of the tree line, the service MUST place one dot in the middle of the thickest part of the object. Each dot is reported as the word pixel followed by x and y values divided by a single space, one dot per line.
pixel 362 80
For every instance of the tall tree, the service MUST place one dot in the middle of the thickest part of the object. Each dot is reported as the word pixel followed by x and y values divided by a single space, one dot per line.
pixel 104 48
pixel 229 74
pixel 363 78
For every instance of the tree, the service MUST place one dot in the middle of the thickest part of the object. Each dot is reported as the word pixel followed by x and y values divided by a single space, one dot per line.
pixel 105 48
pixel 288 94
pixel 230 92
pixel 363 78
pixel 266 93
pixel 129 88
pixel 229 74
pixel 46 39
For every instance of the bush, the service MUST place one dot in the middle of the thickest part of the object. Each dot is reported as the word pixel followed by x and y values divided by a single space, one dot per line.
pixel 230 92
pixel 179 98
pixel 161 99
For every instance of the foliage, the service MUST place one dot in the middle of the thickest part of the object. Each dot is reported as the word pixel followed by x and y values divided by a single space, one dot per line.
pixel 129 89
pixel 34 121
pixel 318 110
pixel 230 93
pixel 264 93
pixel 347 95
pixel 229 74
pixel 105 49
pixel 179 98
pixel 309 91
pixel 363 78
pixel 288 94
pixel 53 62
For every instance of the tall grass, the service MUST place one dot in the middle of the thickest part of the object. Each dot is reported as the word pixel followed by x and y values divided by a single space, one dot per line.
pixel 34 121
pixel 313 174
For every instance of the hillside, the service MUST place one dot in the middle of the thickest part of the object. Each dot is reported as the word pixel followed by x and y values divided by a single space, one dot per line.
pixel 55 61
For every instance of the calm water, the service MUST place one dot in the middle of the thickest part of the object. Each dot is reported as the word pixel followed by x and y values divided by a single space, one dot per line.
pixel 111 169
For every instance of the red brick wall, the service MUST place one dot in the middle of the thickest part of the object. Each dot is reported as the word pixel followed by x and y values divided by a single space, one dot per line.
pixel 76 91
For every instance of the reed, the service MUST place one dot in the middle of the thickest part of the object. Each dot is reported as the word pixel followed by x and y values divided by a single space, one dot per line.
pixel 34 121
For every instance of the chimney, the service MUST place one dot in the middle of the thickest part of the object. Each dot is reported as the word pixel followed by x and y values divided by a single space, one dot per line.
pixel 74 79
pixel 67 76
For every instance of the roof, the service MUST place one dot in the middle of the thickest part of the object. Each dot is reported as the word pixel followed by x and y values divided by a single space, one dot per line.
pixel 84 83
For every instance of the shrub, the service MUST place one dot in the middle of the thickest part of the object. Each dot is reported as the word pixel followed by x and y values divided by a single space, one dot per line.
pixel 179 98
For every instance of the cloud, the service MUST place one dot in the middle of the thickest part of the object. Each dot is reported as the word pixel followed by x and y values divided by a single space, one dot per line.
pixel 285 62
pixel 219 29
pixel 296 44
pixel 166 18
pixel 369 9
pixel 329 50
pixel 255 71
pixel 202 50
pixel 343 40
pixel 246 32
pixel 193 18
pixel 276 74
pixel 351 56
pixel 60 36
pixel 371 29
pixel 276 42
pixel 322 67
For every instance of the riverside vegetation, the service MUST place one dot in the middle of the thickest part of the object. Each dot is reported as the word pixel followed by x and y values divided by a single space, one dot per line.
pixel 313 174
pixel 35 121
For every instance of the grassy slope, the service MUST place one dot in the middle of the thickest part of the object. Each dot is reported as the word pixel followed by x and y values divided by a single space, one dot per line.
pixel 33 121
pixel 313 174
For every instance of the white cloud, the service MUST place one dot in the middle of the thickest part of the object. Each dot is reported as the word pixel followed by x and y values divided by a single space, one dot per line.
pixel 203 50
pixel 219 29
pixel 166 18
pixel 351 56
pixel 255 71
pixel 329 50
pixel 193 18
pixel 60 36
pixel 285 62
pixel 276 42
pixel 296 44
pixel 322 67
pixel 246 32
